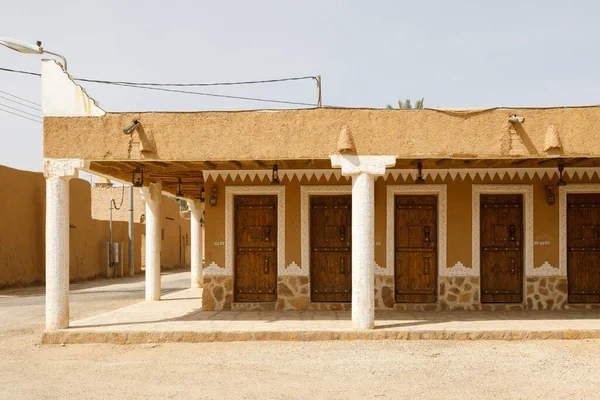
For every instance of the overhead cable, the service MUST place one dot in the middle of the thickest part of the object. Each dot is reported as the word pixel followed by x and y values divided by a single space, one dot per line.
pixel 20 98
pixel 149 86
pixel 21 111
pixel 20 72
pixel 200 84
pixel 21 104
pixel 297 103
pixel 22 116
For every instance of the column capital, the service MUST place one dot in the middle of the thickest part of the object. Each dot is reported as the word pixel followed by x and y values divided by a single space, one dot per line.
pixel 195 205
pixel 152 192
pixel 354 165
pixel 62 167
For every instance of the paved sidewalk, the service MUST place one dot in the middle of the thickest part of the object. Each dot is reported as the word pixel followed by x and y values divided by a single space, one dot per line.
pixel 178 318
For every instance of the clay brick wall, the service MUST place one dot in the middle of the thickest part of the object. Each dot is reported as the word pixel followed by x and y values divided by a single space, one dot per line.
pixel 22 230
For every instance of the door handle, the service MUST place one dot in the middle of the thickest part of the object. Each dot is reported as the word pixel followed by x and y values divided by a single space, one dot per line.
pixel 425 265
pixel 513 270
pixel 512 232
pixel 267 233
pixel 342 233
pixel 427 234
pixel 342 265
pixel 266 265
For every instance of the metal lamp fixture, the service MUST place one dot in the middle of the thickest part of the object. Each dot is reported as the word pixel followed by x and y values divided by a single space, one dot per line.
pixel 516 118
pixel 420 173
pixel 179 192
pixel 561 168
pixel 128 130
pixel 213 196
pixel 137 177
pixel 550 199
pixel 275 176
pixel 28 48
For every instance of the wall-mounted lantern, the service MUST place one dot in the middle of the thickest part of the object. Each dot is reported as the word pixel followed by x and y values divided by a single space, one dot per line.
pixel 516 118
pixel 550 199
pixel 213 196
pixel 561 168
pixel 128 130
pixel 179 192
pixel 419 173
pixel 137 178
pixel 275 176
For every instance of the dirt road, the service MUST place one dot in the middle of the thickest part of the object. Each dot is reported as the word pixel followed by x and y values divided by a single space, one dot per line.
pixel 275 370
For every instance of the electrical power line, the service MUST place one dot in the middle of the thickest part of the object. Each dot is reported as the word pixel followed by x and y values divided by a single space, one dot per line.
pixel 22 116
pixel 20 72
pixel 21 104
pixel 20 98
pixel 148 87
pixel 21 111
pixel 299 78
pixel 297 103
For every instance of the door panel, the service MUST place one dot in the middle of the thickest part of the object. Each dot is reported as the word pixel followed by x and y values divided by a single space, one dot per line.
pixel 255 249
pixel 583 247
pixel 331 248
pixel 501 240
pixel 416 249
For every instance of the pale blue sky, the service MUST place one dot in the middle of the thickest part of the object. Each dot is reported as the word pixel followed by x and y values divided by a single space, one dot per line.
pixel 369 53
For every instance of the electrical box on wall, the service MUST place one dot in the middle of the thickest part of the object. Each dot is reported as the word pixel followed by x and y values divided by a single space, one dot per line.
pixel 111 259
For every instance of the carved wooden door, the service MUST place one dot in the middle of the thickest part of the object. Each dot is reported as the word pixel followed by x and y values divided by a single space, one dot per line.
pixel 416 249
pixel 501 241
pixel 331 248
pixel 255 249
pixel 583 247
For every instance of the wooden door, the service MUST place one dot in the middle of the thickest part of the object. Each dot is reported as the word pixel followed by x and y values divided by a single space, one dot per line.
pixel 255 249
pixel 501 240
pixel 583 247
pixel 416 249
pixel 331 248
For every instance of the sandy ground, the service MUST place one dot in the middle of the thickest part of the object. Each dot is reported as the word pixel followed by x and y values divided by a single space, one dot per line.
pixel 275 370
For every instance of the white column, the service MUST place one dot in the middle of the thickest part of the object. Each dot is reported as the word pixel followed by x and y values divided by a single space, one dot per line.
pixel 57 173
pixel 364 170
pixel 196 208
pixel 152 196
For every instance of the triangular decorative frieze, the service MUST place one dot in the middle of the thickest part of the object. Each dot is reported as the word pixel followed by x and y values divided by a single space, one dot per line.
pixel 408 174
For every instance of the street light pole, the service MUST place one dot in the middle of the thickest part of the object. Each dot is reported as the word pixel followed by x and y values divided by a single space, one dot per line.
pixel 28 48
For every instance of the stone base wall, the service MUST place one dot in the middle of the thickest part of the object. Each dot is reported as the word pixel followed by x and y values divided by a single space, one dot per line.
pixel 292 292
pixel 384 292
pixel 217 292
pixel 458 293
pixel 546 292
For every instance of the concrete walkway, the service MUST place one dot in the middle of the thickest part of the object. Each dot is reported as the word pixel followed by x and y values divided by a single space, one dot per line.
pixel 178 318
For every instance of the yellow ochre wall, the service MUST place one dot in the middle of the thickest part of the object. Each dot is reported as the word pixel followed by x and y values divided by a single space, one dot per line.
pixel 23 222
pixel 459 214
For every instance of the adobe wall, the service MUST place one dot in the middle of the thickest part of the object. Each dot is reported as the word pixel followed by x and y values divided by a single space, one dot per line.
pixel 22 226
pixel 173 223
pixel 313 134
pixel 545 286
pixel 22 231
